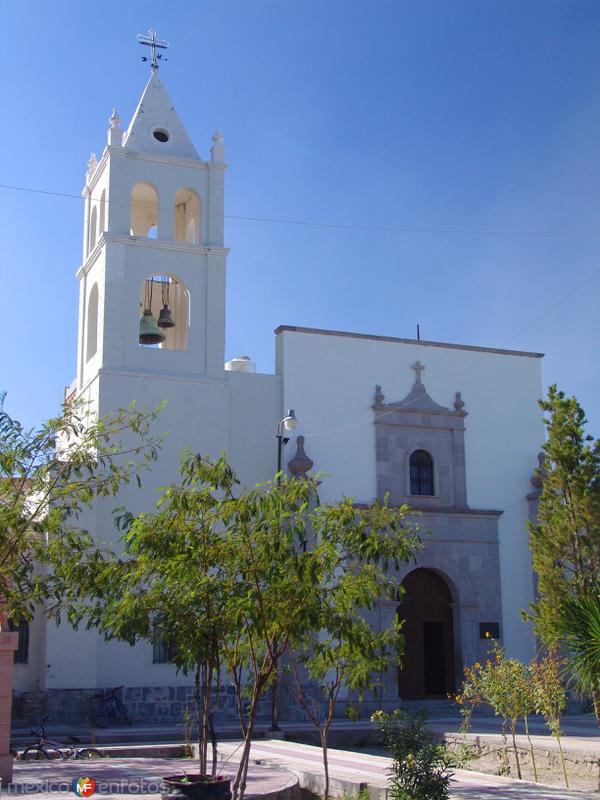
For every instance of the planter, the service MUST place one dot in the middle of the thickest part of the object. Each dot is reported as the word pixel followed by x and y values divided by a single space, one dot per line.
pixel 197 787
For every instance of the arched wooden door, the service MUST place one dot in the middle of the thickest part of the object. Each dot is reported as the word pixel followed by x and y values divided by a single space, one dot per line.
pixel 428 663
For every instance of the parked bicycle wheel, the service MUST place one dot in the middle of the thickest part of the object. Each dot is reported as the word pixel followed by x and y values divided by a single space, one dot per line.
pixel 40 753
pixel 122 711
pixel 98 713
pixel 89 752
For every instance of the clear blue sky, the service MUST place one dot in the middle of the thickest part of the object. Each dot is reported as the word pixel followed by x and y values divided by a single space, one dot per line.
pixel 471 116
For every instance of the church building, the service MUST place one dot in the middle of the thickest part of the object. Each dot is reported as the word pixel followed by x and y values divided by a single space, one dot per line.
pixel 451 429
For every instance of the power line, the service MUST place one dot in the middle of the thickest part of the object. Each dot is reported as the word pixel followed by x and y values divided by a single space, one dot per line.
pixel 554 305
pixel 346 226
pixel 395 229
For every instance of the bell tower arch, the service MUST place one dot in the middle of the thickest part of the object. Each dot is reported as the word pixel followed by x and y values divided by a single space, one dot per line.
pixel 153 212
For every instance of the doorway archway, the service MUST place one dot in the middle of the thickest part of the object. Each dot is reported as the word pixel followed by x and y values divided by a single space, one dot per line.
pixel 428 663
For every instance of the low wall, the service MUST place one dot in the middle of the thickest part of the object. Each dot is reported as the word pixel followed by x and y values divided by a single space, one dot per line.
pixel 150 705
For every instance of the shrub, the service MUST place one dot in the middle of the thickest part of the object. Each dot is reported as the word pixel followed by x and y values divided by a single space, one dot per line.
pixel 422 768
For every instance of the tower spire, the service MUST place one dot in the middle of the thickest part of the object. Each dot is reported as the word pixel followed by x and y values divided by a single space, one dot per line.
pixel 155 44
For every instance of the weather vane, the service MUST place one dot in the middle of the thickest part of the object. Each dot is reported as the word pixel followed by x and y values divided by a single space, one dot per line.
pixel 156 44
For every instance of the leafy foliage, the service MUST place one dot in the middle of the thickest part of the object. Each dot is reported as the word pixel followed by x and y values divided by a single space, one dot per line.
pixel 565 542
pixel 48 478
pixel 239 577
pixel 422 768
pixel 579 626
pixel 342 648
pixel 505 685
pixel 515 690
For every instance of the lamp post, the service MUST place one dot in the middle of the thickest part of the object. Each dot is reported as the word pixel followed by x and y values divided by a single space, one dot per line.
pixel 288 423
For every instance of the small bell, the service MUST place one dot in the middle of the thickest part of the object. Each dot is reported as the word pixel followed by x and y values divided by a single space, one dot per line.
pixel 149 331
pixel 165 318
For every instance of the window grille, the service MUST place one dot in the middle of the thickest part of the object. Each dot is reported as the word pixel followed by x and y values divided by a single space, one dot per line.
pixel 421 473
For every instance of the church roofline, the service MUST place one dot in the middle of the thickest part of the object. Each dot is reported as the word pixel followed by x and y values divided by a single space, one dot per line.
pixel 423 342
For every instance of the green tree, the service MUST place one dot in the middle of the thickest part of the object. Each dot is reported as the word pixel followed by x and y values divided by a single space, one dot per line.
pixel 175 579
pixel 565 540
pixel 358 570
pixel 304 561
pixel 48 477
pixel 550 696
pixel 239 577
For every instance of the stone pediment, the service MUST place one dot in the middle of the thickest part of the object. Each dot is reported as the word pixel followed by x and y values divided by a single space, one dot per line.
pixel 417 424
pixel 418 400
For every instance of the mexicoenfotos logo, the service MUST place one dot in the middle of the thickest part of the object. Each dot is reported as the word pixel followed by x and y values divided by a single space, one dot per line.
pixel 84 787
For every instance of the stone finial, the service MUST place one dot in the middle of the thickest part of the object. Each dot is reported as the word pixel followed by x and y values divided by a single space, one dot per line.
pixel 115 119
pixel 537 481
pixel 115 134
pixel 378 397
pixel 459 403
pixel 91 165
pixel 300 464
pixel 217 151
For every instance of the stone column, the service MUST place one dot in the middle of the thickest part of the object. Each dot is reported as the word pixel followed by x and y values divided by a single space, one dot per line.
pixel 8 645
pixel 465 617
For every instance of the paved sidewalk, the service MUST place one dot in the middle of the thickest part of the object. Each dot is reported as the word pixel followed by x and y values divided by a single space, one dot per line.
pixel 136 777
pixel 356 768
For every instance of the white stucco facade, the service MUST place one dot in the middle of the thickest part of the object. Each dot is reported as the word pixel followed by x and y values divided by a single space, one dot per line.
pixel 328 377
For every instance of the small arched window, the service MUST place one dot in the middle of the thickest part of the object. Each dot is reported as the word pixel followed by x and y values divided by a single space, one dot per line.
pixel 421 473
pixel 144 209
pixel 92 232
pixel 186 216
pixel 92 323
pixel 102 212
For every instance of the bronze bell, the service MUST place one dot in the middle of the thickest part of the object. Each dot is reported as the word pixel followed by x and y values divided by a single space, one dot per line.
pixel 165 318
pixel 149 330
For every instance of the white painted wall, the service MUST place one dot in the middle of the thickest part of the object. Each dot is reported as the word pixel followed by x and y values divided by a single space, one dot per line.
pixel 329 380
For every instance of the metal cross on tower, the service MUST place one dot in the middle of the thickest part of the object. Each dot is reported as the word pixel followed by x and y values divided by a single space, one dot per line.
pixel 418 368
pixel 156 44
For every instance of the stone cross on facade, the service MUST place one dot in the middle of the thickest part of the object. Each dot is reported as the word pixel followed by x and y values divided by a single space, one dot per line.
pixel 418 368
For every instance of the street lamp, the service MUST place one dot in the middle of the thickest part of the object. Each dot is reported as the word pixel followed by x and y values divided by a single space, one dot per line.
pixel 288 423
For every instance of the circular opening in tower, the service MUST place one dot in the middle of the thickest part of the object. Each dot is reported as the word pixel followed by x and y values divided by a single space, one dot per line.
pixel 161 135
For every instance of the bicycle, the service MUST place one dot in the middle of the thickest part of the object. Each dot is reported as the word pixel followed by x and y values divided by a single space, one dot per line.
pixel 46 748
pixel 105 706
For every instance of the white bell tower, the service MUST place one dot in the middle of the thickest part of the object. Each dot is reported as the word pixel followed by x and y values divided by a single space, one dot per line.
pixel 153 250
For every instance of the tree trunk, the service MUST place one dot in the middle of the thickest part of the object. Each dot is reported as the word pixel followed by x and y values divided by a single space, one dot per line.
pixel 198 706
pixel 239 784
pixel 562 759
pixel 596 702
pixel 206 689
pixel 325 764
pixel 512 730
pixel 213 739
pixel 535 775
